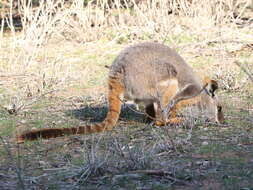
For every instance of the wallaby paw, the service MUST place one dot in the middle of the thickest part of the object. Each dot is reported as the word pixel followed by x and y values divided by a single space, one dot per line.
pixel 172 121
pixel 159 123
pixel 175 120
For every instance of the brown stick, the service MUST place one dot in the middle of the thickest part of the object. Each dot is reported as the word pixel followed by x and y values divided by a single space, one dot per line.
pixel 162 173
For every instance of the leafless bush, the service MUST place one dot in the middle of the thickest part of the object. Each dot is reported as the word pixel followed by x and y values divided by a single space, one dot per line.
pixel 31 69
pixel 88 22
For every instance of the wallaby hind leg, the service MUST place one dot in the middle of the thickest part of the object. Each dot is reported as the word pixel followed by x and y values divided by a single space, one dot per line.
pixel 159 119
pixel 168 94
pixel 161 115
pixel 154 113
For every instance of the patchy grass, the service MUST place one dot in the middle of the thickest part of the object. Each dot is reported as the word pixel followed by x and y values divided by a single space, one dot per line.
pixel 206 157
pixel 67 87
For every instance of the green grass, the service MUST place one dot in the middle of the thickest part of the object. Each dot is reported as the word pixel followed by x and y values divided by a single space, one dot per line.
pixel 208 157
pixel 224 160
pixel 194 155
pixel 7 123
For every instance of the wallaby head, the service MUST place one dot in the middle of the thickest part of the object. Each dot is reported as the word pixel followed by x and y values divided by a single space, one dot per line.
pixel 209 103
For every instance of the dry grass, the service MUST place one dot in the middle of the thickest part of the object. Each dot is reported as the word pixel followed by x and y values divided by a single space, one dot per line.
pixel 52 74
pixel 32 65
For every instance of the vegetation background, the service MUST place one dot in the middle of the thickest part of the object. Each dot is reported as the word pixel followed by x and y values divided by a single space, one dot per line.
pixel 53 55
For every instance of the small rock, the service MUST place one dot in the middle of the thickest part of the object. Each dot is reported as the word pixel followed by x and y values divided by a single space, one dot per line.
pixel 43 163
pixel 205 163
pixel 118 178
pixel 23 121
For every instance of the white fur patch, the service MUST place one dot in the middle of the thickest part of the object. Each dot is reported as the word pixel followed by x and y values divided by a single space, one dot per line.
pixel 168 82
pixel 131 103
pixel 155 106
pixel 121 96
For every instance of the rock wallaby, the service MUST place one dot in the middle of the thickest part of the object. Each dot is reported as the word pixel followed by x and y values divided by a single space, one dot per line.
pixel 154 75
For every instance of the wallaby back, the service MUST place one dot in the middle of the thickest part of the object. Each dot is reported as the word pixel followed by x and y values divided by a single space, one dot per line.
pixel 144 65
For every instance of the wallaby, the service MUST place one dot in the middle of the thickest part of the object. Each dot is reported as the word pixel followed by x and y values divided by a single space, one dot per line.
pixel 152 74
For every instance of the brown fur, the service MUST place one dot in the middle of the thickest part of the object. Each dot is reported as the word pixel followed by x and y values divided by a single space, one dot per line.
pixel 152 74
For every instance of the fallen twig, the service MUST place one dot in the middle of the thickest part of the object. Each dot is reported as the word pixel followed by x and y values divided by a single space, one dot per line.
pixel 162 173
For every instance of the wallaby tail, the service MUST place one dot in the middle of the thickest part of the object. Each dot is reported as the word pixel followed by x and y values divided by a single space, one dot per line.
pixel 116 90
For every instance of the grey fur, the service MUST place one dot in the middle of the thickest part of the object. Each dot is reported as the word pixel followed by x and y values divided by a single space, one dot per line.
pixel 142 67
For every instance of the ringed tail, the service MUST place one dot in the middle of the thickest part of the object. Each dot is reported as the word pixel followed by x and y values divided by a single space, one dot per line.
pixel 116 90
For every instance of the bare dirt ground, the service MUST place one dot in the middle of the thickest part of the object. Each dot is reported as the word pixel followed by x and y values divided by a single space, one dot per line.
pixel 53 74
pixel 194 155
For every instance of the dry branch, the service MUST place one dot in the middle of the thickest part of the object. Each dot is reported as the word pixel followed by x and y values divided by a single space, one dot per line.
pixel 162 173
pixel 246 71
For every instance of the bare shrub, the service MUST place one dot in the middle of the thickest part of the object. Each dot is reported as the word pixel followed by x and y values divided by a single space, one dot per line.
pixel 31 68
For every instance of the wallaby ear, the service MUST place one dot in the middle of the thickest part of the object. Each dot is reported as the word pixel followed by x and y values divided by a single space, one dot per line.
pixel 211 85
